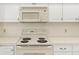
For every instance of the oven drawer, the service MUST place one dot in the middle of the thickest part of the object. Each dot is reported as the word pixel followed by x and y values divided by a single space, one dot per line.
pixel 34 49
pixel 62 47
pixel 34 52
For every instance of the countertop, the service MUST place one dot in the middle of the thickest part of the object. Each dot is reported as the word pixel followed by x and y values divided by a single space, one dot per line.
pixel 8 40
pixel 53 40
pixel 64 40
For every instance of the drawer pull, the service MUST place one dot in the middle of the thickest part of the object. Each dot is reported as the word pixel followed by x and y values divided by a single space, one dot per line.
pixel 76 18
pixel 12 50
pixel 62 48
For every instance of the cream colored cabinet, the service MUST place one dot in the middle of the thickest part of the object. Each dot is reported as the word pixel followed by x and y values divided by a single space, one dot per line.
pixel 70 11
pixel 7 50
pixel 55 12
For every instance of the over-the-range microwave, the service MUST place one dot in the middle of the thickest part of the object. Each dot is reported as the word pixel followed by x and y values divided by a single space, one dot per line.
pixel 33 14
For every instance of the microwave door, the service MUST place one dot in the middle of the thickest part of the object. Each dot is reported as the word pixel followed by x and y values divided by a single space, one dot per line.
pixel 30 16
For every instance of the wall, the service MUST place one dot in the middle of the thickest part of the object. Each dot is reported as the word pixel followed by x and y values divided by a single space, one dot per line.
pixel 53 29
pixel 1 28
pixel 63 29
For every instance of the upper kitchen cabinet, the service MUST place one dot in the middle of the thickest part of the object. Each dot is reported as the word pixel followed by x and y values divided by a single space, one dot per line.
pixel 70 12
pixel 55 12
pixel 11 11
pixel 1 12
pixel 33 13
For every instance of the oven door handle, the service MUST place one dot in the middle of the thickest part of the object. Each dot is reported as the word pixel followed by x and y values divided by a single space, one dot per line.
pixel 34 45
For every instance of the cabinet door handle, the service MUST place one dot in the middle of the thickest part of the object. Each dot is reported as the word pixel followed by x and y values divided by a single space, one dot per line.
pixel 61 18
pixel 62 48
pixel 12 49
pixel 76 18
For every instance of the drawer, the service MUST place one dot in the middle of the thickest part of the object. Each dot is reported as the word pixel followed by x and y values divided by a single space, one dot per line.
pixel 62 53
pixel 6 47
pixel 7 50
pixel 62 47
pixel 76 47
pixel 34 52
pixel 6 53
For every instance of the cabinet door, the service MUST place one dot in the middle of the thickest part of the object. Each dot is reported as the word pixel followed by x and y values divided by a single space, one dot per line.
pixel 55 11
pixel 62 47
pixel 11 11
pixel 76 11
pixel 75 52
pixel 7 50
pixel 76 47
pixel 2 12
pixel 70 11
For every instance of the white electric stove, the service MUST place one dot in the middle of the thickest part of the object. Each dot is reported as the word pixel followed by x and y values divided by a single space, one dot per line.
pixel 34 44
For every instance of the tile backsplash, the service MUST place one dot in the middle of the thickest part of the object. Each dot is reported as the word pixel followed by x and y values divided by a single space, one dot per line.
pixel 63 29
pixel 53 29
pixel 1 28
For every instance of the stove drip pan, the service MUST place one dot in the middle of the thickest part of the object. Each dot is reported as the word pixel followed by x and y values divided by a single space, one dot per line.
pixel 24 41
pixel 42 41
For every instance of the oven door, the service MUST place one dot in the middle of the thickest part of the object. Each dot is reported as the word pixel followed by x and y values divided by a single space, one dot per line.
pixel 34 50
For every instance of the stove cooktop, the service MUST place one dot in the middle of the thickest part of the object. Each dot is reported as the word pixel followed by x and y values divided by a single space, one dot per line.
pixel 33 40
pixel 40 40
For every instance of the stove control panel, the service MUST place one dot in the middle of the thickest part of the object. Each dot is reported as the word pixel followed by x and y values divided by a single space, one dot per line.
pixel 34 31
